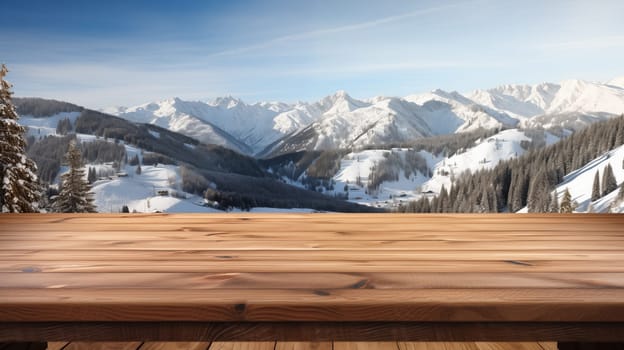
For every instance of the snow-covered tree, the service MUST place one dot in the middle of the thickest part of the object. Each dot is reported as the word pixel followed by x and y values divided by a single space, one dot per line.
pixel 20 190
pixel 567 206
pixel 74 195
pixel 92 176
pixel 595 195
pixel 609 184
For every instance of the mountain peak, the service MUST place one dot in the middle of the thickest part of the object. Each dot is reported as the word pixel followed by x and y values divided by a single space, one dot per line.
pixel 617 82
pixel 226 102
pixel 341 94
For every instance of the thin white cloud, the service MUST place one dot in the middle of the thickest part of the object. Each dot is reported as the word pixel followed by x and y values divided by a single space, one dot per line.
pixel 604 42
pixel 339 29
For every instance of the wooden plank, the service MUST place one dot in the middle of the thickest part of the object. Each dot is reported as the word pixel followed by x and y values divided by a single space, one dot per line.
pixel 308 245
pixel 60 345
pixel 446 305
pixel 103 346
pixel 314 331
pixel 518 270
pixel 125 233
pixel 323 222
pixel 339 345
pixel 150 256
pixel 242 346
pixel 282 345
pixel 548 345
pixel 175 346
pixel 303 227
pixel 272 217
pixel 437 346
pixel 508 346
pixel 194 256
pixel 321 266
pixel 392 280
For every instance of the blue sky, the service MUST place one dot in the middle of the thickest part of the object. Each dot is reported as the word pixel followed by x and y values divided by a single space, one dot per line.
pixel 104 53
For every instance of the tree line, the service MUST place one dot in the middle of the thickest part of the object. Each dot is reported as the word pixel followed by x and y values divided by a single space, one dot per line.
pixel 528 180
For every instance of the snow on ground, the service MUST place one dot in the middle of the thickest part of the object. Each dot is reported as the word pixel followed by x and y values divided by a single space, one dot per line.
pixel 486 154
pixel 580 182
pixel 155 190
pixel 42 127
pixel 357 165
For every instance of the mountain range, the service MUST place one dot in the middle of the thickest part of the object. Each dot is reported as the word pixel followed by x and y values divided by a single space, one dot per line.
pixel 268 129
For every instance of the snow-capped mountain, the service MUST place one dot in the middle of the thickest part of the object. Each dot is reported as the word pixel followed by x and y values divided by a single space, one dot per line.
pixel 390 120
pixel 450 112
pixel 570 96
pixel 225 121
pixel 339 120
pixel 617 82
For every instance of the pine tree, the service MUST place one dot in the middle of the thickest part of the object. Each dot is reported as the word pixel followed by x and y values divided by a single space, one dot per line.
pixel 596 187
pixel 484 202
pixel 20 190
pixel 443 204
pixel 609 184
pixel 92 176
pixel 74 195
pixel 566 202
pixel 554 203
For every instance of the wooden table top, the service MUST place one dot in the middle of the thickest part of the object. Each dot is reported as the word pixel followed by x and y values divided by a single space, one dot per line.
pixel 312 267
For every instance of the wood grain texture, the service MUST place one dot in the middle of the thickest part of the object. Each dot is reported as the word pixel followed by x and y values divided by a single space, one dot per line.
pixel 508 346
pixel 313 331
pixel 175 346
pixel 281 345
pixel 103 346
pixel 267 345
pixel 437 346
pixel 448 268
pixel 365 345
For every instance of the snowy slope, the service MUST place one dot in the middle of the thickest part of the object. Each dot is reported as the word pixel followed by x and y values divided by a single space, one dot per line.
pixel 42 127
pixel 486 154
pixel 355 172
pixel 355 169
pixel 618 82
pixel 580 182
